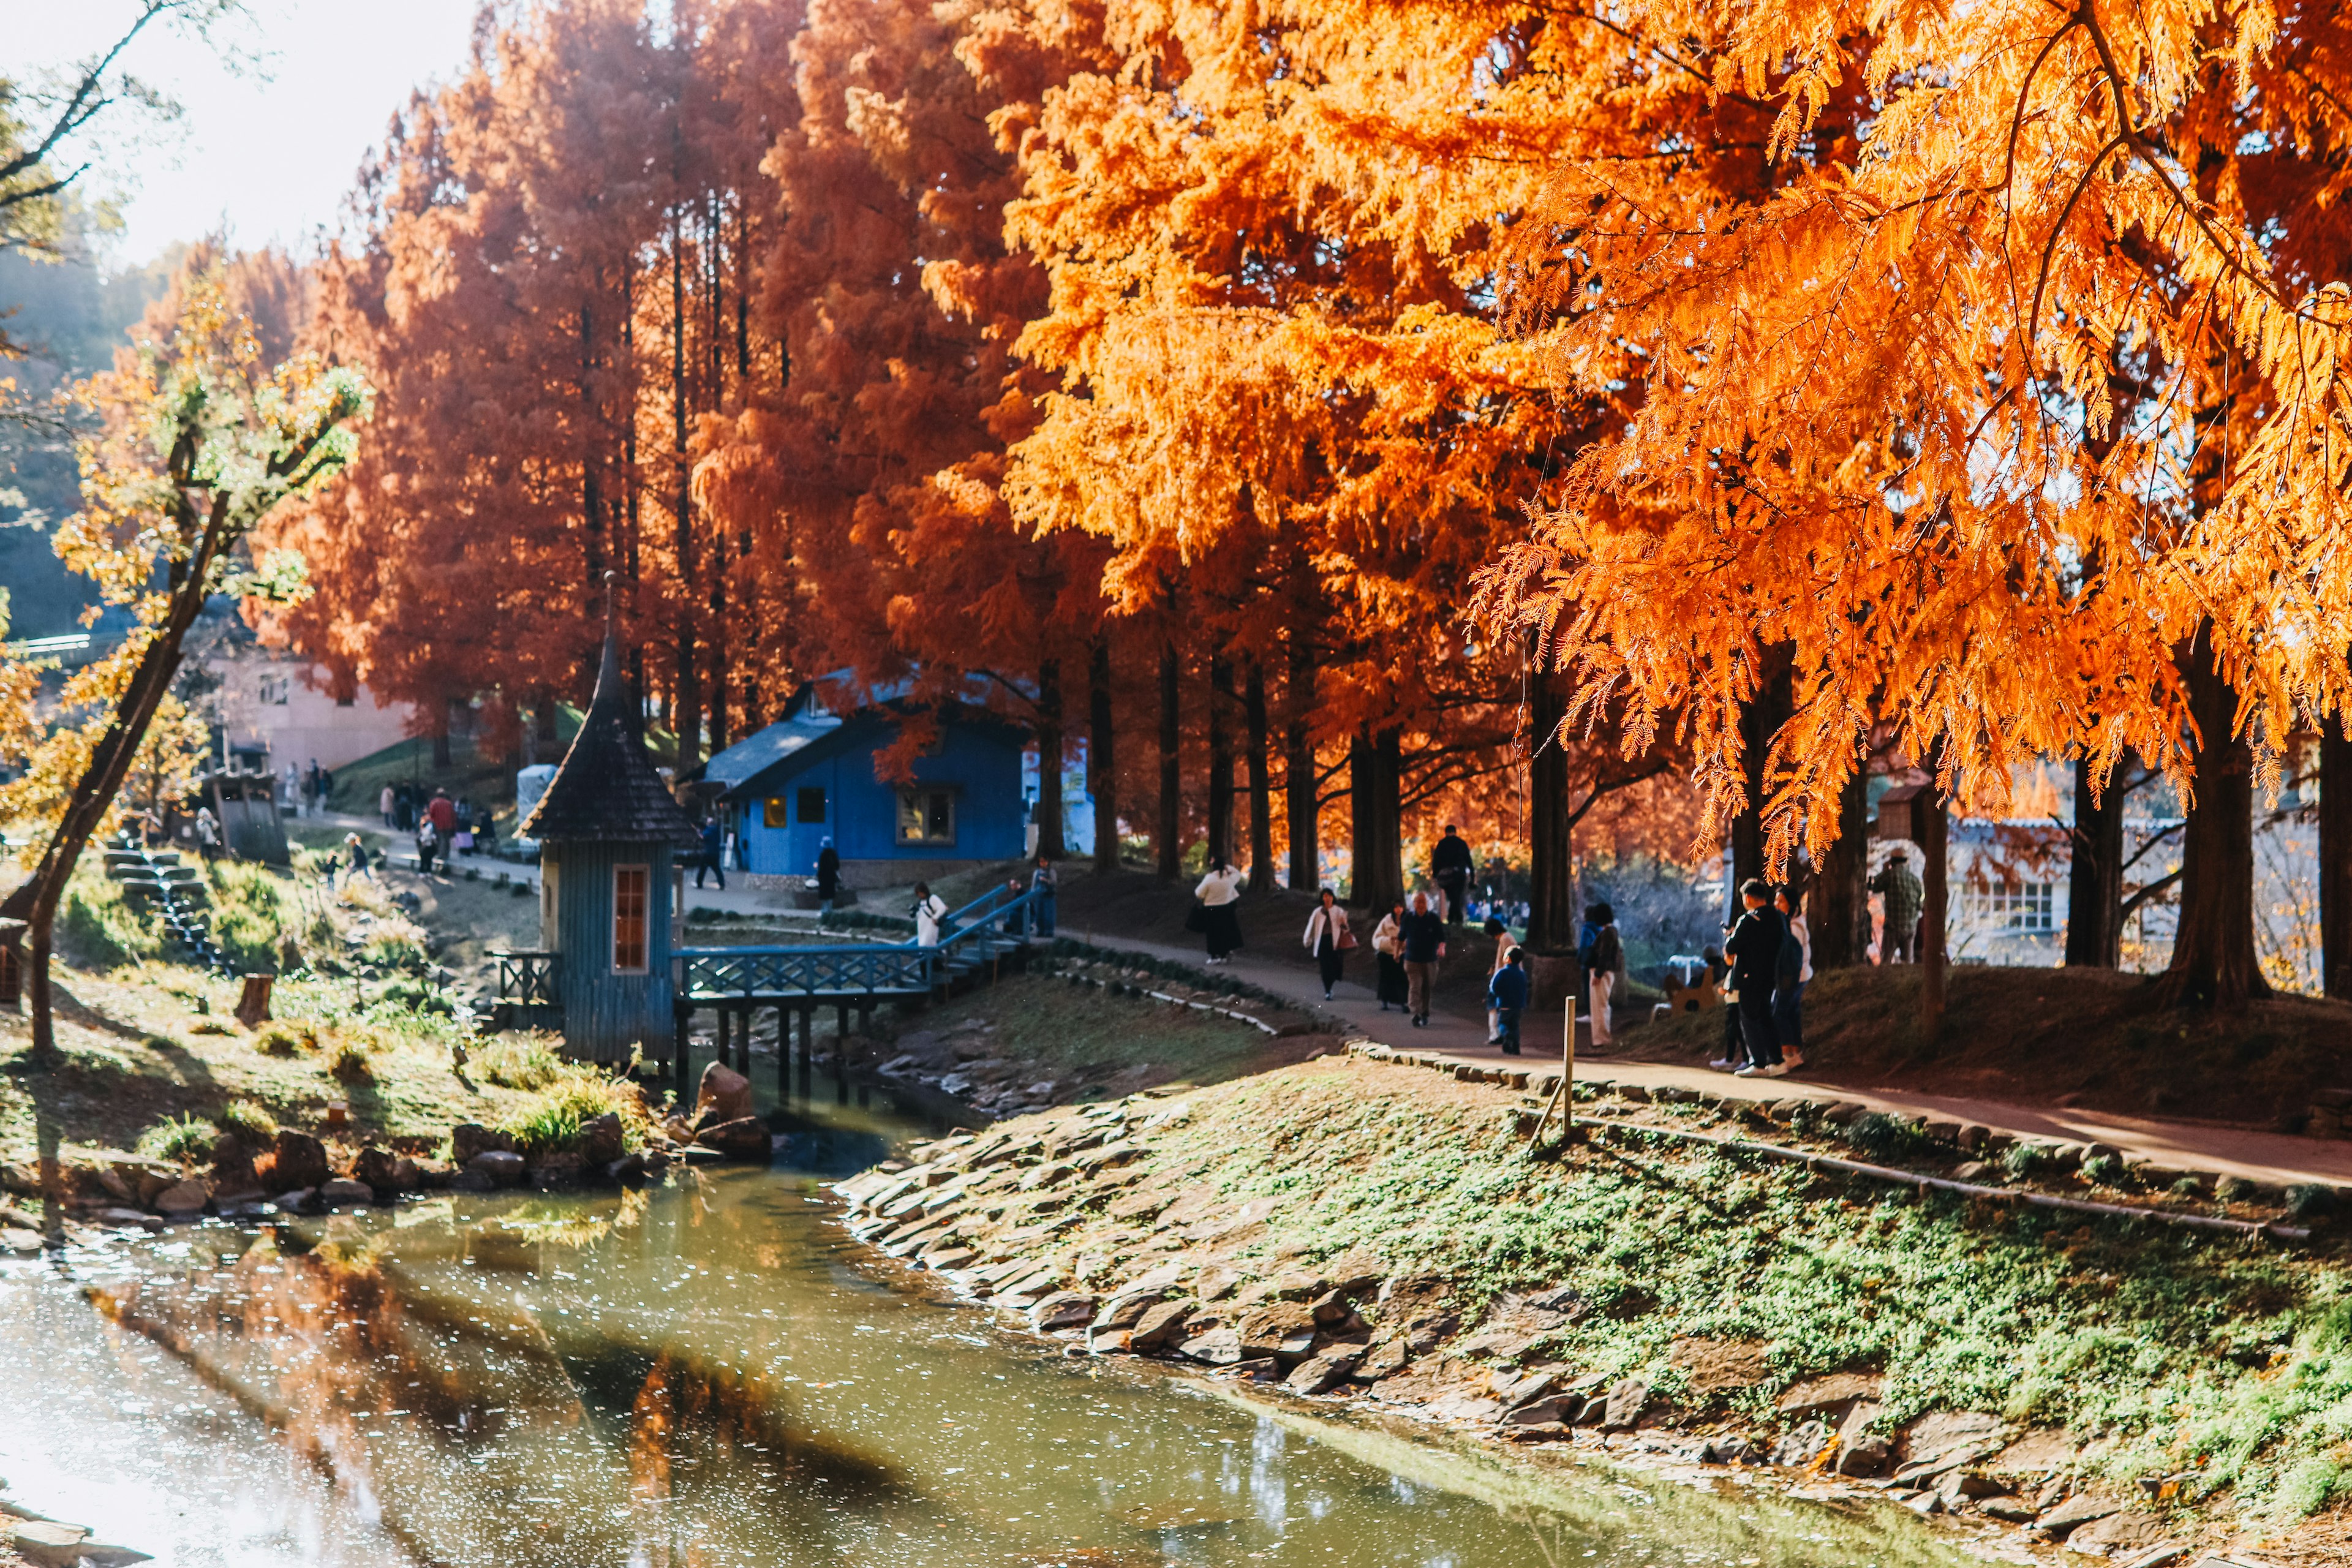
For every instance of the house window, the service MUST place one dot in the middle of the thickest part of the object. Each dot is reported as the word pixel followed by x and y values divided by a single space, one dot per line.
pixel 631 912
pixel 274 688
pixel 2020 907
pixel 809 805
pixel 927 816
pixel 772 812
pixel 550 877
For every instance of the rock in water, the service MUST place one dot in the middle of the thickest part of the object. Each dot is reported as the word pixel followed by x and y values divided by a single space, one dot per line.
pixel 44 1541
pixel 725 1095
pixel 1160 1327
pixel 600 1138
pixel 297 1160
pixel 232 1171
pixel 468 1139
pixel 1062 1310
pixel 187 1197
pixel 743 1138
pixel 501 1167
pixel 334 1194
pixel 1218 1347
pixel 378 1168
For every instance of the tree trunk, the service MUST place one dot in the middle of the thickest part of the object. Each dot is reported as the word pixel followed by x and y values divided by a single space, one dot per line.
pixel 1379 875
pixel 35 900
pixel 2095 877
pixel 442 755
pixel 687 708
pixel 2335 859
pixel 1261 783
pixel 1935 890
pixel 1102 774
pixel 1299 784
pixel 1049 758
pixel 1551 855
pixel 1171 772
pixel 2213 956
pixel 1760 719
pixel 1838 910
pixel 1221 760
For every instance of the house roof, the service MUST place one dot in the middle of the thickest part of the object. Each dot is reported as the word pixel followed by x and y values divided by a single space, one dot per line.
pixel 756 754
pixel 605 787
pixel 821 720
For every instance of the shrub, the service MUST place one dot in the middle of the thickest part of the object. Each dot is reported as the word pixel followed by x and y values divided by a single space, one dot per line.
pixel 399 952
pixel 517 1061
pixel 2188 1187
pixel 2104 1170
pixel 249 1120
pixel 96 929
pixel 2311 1202
pixel 1880 1137
pixel 578 1095
pixel 285 1040
pixel 2312 1486
pixel 348 1062
pixel 2234 1190
pixel 185 1138
pixel 2023 1161
pixel 250 918
pixel 418 997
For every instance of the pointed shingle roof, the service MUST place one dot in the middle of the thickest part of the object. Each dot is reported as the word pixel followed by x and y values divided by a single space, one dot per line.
pixel 605 787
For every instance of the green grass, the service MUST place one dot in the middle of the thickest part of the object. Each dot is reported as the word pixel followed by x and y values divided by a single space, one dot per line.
pixel 97 927
pixel 2184 1352
pixel 185 1138
pixel 249 1120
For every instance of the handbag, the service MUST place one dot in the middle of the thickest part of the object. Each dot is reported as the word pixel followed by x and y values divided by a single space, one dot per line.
pixel 1347 941
pixel 1197 920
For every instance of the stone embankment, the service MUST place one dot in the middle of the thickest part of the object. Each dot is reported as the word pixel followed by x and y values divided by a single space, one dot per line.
pixel 1058 1221
pixel 34 1538
pixel 298 1173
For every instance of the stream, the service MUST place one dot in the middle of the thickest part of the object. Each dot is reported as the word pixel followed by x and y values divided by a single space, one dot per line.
pixel 710 1373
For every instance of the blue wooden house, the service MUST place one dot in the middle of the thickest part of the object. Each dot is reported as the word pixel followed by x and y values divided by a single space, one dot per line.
pixel 610 835
pixel 810 776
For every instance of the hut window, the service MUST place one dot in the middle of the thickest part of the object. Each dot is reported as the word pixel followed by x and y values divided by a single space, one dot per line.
pixel 927 816
pixel 631 886
pixel 810 805
pixel 772 812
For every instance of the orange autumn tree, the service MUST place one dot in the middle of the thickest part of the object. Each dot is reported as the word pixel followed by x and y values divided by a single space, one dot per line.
pixel 1286 384
pixel 2014 420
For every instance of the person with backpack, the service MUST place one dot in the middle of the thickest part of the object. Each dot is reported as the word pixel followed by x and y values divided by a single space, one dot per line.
pixel 928 912
pixel 1601 958
pixel 1754 948
pixel 1507 993
pixel 1793 970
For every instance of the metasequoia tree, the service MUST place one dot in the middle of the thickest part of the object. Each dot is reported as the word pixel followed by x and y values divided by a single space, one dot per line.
pixel 554 276
pixel 1282 378
pixel 199 445
pixel 1877 421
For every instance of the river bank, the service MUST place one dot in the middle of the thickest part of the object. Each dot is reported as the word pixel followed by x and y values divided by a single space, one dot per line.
pixel 1360 1232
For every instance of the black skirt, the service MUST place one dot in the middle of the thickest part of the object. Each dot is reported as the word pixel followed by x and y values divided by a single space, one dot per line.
pixel 1392 981
pixel 1225 934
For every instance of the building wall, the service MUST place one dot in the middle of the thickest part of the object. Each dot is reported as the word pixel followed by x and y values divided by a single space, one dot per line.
pixel 266 699
pixel 605 1012
pixel 981 763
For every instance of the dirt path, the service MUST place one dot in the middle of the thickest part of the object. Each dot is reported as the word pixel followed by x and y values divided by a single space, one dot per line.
pixel 2189 1145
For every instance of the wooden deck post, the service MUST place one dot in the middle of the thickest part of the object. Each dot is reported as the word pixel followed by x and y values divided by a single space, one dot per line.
pixel 808 1050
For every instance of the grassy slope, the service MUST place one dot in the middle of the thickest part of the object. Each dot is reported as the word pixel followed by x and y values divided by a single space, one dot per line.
pixel 2159 1351
pixel 2055 1035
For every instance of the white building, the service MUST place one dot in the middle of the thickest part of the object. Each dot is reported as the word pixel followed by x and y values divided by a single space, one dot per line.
pixel 277 701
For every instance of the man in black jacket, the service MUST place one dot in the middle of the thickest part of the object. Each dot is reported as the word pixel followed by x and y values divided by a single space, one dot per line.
pixel 1449 867
pixel 1754 949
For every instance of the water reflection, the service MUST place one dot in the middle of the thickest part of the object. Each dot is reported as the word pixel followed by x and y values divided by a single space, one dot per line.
pixel 704 1374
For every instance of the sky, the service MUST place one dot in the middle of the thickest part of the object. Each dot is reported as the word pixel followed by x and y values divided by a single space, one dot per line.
pixel 270 148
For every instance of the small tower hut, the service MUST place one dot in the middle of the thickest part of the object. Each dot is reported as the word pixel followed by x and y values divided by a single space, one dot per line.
pixel 609 833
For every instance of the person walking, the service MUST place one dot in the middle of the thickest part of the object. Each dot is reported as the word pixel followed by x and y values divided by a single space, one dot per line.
pixel 1606 957
pixel 442 812
pixel 356 857
pixel 1047 883
pixel 1449 867
pixel 828 876
pixel 208 833
pixel 1388 953
pixel 1754 949
pixel 928 912
pixel 1328 939
pixel 1219 893
pixel 1422 936
pixel 713 860
pixel 1905 899
pixel 1507 993
pixel 1503 943
pixel 430 844
pixel 1789 977
pixel 383 805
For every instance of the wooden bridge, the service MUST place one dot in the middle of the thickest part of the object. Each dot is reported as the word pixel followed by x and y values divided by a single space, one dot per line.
pixel 736 982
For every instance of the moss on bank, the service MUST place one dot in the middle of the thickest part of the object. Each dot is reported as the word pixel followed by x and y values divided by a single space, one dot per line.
pixel 2157 1351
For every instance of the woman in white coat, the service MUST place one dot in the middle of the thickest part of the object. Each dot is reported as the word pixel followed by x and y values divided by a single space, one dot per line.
pixel 1218 892
pixel 1328 939
pixel 930 910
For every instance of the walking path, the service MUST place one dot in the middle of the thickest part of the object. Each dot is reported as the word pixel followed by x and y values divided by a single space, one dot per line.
pixel 2193 1146
pixel 2190 1146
